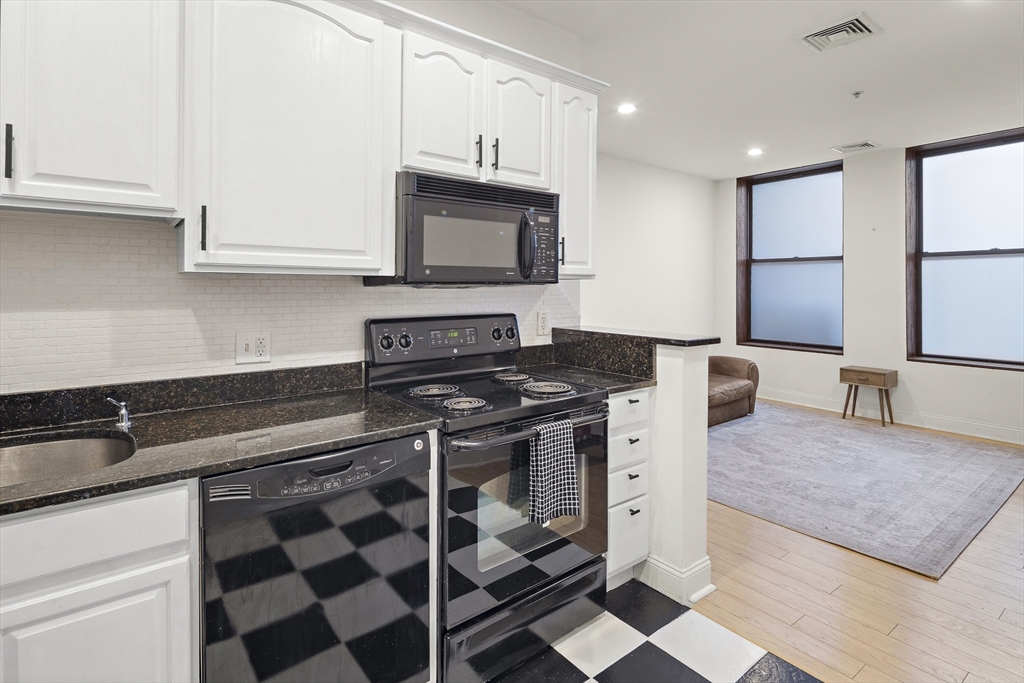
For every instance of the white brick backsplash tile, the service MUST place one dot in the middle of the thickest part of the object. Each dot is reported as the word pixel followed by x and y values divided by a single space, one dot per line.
pixel 89 300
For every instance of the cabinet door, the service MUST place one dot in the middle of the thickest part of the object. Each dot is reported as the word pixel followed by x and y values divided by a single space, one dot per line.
pixel 576 177
pixel 286 99
pixel 90 90
pixel 133 626
pixel 628 533
pixel 519 122
pixel 442 108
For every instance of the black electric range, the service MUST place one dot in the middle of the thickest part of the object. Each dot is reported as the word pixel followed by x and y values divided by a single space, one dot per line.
pixel 504 579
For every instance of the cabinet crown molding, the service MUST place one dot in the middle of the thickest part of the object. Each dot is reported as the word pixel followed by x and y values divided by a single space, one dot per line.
pixel 406 19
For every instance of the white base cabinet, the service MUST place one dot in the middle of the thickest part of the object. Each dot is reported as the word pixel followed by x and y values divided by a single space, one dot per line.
pixel 102 590
pixel 629 513
pixel 90 106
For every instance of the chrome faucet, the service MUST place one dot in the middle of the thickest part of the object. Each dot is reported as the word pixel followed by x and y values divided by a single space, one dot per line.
pixel 123 421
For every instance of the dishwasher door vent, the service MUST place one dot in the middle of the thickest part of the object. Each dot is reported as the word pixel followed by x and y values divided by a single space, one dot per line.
pixel 231 492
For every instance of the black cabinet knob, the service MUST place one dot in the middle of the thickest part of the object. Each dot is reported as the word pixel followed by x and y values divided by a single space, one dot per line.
pixel 633 441
pixel 634 400
pixel 633 476
pixel 633 512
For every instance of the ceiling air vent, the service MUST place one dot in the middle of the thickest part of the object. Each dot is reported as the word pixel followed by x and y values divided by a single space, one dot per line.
pixel 841 33
pixel 855 147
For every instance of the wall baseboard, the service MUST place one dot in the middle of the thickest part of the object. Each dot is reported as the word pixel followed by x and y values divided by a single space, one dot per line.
pixel 685 585
pixel 942 423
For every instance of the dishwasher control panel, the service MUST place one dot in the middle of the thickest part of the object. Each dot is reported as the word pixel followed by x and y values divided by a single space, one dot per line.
pixel 325 478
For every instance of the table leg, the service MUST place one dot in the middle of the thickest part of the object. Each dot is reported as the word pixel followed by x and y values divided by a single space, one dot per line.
pixel 849 390
pixel 853 408
pixel 888 402
pixel 881 405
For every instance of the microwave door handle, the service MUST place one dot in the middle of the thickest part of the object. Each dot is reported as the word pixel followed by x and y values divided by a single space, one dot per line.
pixel 505 439
pixel 527 246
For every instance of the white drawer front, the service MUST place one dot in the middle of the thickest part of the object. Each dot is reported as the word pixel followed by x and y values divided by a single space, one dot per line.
pixel 628 533
pixel 633 408
pixel 628 449
pixel 83 533
pixel 627 484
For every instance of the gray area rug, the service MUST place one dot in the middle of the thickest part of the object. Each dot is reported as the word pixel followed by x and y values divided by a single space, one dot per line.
pixel 912 498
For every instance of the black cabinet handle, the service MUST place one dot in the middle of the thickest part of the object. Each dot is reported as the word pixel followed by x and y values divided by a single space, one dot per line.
pixel 480 151
pixel 633 512
pixel 8 151
pixel 633 476
pixel 202 229
pixel 562 241
pixel 634 400
pixel 495 147
pixel 633 441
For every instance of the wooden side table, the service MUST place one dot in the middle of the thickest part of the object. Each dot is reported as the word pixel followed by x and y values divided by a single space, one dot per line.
pixel 856 377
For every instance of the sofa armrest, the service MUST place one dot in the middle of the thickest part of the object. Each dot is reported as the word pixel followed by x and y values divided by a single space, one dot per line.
pixel 736 367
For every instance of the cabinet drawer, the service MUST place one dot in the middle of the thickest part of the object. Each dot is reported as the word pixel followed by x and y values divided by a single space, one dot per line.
pixel 632 408
pixel 627 484
pixel 38 544
pixel 628 533
pixel 628 448
pixel 868 377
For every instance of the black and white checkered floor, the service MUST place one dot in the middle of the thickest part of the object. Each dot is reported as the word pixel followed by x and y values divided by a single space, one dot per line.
pixel 646 637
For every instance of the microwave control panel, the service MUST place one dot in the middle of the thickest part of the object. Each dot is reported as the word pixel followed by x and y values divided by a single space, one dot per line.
pixel 545 267
pixel 403 340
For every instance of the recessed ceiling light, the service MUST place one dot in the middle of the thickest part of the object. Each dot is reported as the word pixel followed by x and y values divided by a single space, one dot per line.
pixel 627 108
pixel 755 152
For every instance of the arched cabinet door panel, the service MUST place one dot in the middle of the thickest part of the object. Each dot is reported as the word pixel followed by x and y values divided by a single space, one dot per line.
pixel 90 106
pixel 576 177
pixel 442 108
pixel 286 136
pixel 519 118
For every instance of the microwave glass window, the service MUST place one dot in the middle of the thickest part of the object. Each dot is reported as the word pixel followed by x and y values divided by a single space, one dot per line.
pixel 465 242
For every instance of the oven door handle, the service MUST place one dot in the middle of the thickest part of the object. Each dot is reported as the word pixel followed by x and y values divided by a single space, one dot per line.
pixel 505 439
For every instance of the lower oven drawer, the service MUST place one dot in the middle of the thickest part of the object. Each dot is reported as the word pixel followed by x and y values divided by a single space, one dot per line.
pixel 496 644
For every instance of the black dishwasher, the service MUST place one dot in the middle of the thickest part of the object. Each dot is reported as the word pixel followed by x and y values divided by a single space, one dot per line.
pixel 317 569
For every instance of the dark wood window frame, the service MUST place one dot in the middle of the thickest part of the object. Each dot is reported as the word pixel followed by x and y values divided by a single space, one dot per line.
pixel 744 260
pixel 915 243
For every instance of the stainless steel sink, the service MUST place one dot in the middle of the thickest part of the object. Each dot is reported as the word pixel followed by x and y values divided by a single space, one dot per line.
pixel 45 456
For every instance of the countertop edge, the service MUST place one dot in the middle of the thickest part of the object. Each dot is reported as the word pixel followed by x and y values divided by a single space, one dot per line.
pixel 653 338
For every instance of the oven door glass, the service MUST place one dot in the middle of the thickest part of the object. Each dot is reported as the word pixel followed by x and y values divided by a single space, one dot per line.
pixel 458 242
pixel 494 552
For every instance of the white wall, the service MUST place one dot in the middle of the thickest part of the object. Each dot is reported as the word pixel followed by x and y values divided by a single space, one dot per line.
pixel 87 300
pixel 653 250
pixel 975 401
pixel 504 25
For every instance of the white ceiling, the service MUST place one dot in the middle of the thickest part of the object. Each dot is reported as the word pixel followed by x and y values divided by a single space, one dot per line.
pixel 712 79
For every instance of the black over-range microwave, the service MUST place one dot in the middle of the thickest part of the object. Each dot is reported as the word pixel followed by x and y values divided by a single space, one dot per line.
pixel 463 232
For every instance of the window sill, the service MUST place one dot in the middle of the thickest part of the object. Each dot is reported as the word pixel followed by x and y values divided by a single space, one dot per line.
pixel 806 348
pixel 969 363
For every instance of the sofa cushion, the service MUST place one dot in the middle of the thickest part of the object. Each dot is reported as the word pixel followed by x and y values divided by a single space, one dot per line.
pixel 723 389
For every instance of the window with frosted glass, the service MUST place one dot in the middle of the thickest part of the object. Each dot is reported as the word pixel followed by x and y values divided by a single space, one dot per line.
pixel 792 288
pixel 966 251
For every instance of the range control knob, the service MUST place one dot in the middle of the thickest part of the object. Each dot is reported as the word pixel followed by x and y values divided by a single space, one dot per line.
pixel 496 334
pixel 405 341
pixel 387 342
pixel 510 332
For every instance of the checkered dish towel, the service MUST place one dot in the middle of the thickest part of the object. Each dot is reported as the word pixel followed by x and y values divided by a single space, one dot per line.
pixel 554 489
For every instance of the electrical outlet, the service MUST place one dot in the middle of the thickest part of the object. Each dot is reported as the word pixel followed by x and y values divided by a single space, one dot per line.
pixel 543 324
pixel 252 347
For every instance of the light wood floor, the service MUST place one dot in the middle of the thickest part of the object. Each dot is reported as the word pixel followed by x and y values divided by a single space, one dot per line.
pixel 843 616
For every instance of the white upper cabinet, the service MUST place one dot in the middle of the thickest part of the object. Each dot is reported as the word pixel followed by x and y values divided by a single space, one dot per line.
pixel 91 105
pixel 576 177
pixel 286 137
pixel 442 107
pixel 519 121
pixel 473 117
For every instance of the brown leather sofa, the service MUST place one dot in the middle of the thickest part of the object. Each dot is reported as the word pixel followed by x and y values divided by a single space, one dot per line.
pixel 732 388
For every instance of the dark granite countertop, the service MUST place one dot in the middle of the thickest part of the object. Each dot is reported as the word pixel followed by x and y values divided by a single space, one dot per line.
pixel 183 444
pixel 611 381
pixel 649 336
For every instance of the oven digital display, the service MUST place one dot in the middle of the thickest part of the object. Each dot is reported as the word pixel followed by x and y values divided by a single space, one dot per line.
pixel 455 337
